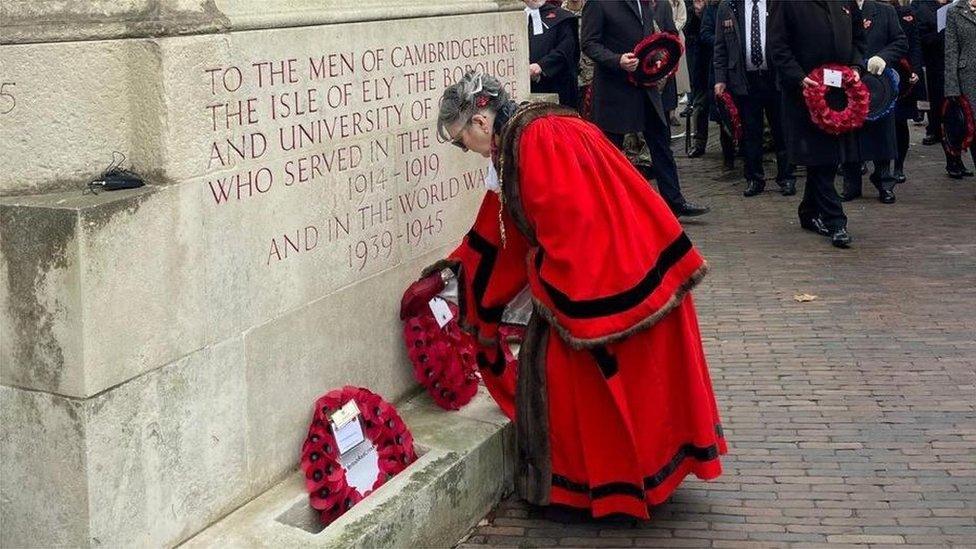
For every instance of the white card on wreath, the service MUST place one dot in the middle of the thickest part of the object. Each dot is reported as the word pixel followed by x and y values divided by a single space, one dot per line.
pixel 442 312
pixel 362 466
pixel 349 435
pixel 833 78
pixel 346 427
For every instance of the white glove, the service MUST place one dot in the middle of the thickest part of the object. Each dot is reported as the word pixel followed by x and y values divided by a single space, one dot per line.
pixel 876 65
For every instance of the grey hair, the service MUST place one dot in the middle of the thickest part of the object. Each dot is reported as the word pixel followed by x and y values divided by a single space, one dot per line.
pixel 458 102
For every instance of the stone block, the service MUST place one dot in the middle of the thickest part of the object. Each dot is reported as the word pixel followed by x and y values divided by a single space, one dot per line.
pixel 64 109
pixel 99 288
pixel 147 463
pixel 43 485
pixel 23 21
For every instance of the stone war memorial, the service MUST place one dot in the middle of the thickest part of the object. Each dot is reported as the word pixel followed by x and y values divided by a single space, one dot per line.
pixel 163 346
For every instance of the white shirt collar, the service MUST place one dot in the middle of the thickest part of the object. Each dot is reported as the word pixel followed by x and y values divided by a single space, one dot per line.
pixel 536 18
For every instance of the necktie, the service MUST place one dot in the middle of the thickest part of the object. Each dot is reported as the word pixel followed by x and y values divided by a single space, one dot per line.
pixel 755 37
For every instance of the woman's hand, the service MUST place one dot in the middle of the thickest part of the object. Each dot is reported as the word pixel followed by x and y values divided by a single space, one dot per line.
pixel 419 294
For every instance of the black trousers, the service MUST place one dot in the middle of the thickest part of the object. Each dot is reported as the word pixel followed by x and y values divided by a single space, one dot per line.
pixel 935 90
pixel 657 134
pixel 763 101
pixel 902 137
pixel 882 178
pixel 820 198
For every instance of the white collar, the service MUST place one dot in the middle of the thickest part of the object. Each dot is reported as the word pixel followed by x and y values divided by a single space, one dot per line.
pixel 536 17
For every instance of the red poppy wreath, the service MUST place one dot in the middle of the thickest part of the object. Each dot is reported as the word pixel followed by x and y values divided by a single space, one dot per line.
pixel 843 120
pixel 729 115
pixel 658 56
pixel 959 127
pixel 325 478
pixel 444 359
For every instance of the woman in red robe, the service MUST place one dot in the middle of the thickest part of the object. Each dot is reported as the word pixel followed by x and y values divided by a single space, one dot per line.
pixel 613 405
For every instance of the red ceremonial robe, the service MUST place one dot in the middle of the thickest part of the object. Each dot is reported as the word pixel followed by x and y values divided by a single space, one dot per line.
pixel 613 404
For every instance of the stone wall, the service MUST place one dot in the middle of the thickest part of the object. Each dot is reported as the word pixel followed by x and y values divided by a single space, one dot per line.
pixel 161 346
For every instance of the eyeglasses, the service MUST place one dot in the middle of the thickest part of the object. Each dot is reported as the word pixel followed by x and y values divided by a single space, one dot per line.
pixel 457 141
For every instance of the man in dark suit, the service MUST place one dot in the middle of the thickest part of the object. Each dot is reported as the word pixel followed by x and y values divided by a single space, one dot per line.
pixel 742 66
pixel 933 54
pixel 610 30
pixel 886 44
pixel 802 37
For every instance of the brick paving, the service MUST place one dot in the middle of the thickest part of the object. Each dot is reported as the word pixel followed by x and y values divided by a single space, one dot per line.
pixel 851 418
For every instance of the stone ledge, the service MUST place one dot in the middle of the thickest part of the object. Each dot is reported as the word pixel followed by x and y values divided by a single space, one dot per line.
pixel 34 22
pixel 466 467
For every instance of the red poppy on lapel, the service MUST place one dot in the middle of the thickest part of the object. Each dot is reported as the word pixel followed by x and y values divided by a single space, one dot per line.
pixel 867 23
pixel 552 15
pixel 909 18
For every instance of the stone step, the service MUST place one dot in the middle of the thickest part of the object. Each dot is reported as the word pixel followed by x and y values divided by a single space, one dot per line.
pixel 465 466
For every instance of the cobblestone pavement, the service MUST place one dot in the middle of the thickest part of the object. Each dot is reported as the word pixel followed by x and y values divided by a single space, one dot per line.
pixel 851 418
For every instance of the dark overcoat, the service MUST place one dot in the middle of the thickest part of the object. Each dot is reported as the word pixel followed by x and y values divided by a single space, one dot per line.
pixel 557 51
pixel 802 37
pixel 611 28
pixel 884 38
pixel 908 105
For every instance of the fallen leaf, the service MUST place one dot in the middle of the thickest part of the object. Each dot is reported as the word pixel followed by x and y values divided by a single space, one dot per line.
pixel 803 298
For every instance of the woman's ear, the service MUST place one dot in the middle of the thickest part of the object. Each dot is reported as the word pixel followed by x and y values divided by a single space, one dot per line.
pixel 482 122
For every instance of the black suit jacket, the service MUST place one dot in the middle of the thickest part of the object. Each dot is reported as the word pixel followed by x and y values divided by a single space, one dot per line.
pixel 730 46
pixel 610 29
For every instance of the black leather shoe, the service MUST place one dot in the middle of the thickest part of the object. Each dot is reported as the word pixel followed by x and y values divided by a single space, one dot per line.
pixel 849 195
pixel 966 173
pixel 753 188
pixel 899 176
pixel 886 196
pixel 931 140
pixel 815 225
pixel 840 239
pixel 787 187
pixel 696 151
pixel 956 172
pixel 689 209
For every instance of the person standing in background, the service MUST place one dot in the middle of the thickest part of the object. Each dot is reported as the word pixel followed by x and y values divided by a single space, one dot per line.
pixel 554 51
pixel 742 66
pixel 699 58
pixel 611 30
pixel 886 45
pixel 907 108
pixel 960 50
pixel 585 70
pixel 679 82
pixel 802 37
pixel 701 124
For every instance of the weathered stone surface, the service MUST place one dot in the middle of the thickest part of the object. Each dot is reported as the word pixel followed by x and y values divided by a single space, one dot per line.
pixel 147 463
pixel 99 288
pixel 31 21
pixel 43 485
pixel 64 109
pixel 189 324
pixel 462 471
pixel 166 451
